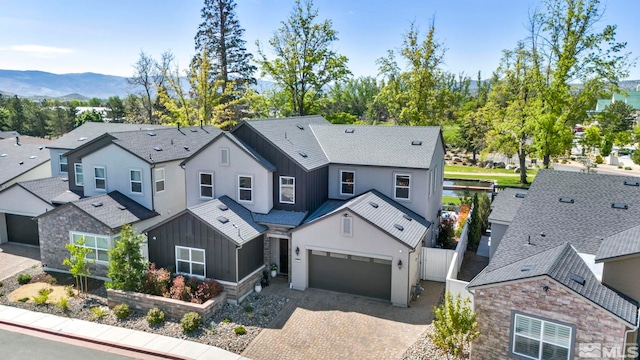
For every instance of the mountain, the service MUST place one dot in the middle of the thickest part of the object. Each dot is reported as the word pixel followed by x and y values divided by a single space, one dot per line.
pixel 40 84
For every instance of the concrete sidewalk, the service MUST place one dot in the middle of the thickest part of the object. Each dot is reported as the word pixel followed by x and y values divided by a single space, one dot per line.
pixel 99 334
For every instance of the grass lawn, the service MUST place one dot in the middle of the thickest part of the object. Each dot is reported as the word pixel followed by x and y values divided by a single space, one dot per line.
pixel 501 180
pixel 451 200
pixel 475 169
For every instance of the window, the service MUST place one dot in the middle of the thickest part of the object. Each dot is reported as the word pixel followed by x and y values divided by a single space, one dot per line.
pixel 135 180
pixel 159 179
pixel 63 163
pixel 190 261
pixel 98 244
pixel 287 190
pixel 347 225
pixel 245 188
pixel 402 185
pixel 206 185
pixel 100 178
pixel 224 156
pixel 78 174
pixel 347 182
pixel 540 339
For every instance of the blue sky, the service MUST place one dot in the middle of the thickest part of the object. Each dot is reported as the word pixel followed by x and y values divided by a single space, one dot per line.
pixel 74 36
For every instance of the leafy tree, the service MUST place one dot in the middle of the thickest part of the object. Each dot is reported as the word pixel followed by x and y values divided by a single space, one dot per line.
pixel 78 264
pixel 476 123
pixel 220 37
pixel 475 224
pixel 349 100
pixel 616 117
pixel 304 64
pixel 116 109
pixel 454 326
pixel 5 115
pixel 607 145
pixel 127 266
pixel 145 78
pixel 592 138
pixel 95 102
pixel 91 116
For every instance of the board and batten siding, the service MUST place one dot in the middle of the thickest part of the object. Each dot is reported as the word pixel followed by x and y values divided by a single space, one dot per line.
pixel 311 187
pixel 188 231
pixel 250 257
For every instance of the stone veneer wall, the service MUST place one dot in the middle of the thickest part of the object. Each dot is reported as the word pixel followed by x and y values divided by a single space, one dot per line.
pixel 236 292
pixel 172 308
pixel 54 230
pixel 493 307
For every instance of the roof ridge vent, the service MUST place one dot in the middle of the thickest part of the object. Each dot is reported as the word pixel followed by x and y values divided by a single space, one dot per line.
pixel 193 130
pixel 82 138
pixel 567 200
pixel 520 195
pixel 527 268
pixel 619 206
pixel 186 148
pixel 349 131
pixel 631 183
pixel 299 126
pixel 3 155
pixel 96 204
pixel 222 219
pixel 223 207
pixel 302 153
pixel 151 133
pixel 32 157
pixel 373 204
pixel 416 143
pixel 157 148
pixel 398 226
pixel 21 162
pixel 122 207
pixel 577 278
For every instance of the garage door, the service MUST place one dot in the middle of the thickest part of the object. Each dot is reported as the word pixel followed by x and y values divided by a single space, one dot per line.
pixel 350 274
pixel 22 229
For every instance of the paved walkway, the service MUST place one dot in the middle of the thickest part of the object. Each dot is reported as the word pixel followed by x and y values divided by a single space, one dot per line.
pixel 319 324
pixel 16 257
pixel 144 345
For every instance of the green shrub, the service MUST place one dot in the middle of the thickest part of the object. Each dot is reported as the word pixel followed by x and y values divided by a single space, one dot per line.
pixel 156 281
pixel 42 297
pixel 1 294
pixel 63 304
pixel 447 234
pixel 248 308
pixel 226 320
pixel 155 316
pixel 619 166
pixel 24 279
pixel 599 159
pixel 179 289
pixel 190 322
pixel 45 291
pixel 98 312
pixel 24 299
pixel 127 266
pixel 53 280
pixel 69 291
pixel 240 330
pixel 122 311
pixel 206 290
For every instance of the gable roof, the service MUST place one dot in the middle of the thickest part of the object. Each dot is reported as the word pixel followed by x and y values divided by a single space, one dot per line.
pixel 293 137
pixel 280 217
pixel 16 160
pixel 91 130
pixel 624 243
pixel 391 146
pixel 249 151
pixel 563 264
pixel 394 219
pixel 53 190
pixel 506 204
pixel 112 209
pixel 237 223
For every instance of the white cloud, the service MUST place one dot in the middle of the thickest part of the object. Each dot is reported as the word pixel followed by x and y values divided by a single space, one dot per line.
pixel 40 49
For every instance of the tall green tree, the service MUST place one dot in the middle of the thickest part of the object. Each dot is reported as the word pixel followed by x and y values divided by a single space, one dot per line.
pixel 305 63
pixel 476 123
pixel 352 97
pixel 126 264
pixel 18 118
pixel 616 117
pixel 116 109
pixel 220 36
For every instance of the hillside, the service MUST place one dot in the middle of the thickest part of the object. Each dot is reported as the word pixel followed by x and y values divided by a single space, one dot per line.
pixel 40 84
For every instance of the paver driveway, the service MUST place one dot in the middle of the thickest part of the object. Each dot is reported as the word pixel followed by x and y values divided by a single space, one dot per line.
pixel 319 324
pixel 15 258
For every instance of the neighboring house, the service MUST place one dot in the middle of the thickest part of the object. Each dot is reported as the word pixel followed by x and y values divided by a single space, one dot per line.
pixel 217 239
pixel 98 220
pixel 564 276
pixel 23 158
pixel 503 210
pixel 369 245
pixel 81 135
pixel 8 134
pixel 21 202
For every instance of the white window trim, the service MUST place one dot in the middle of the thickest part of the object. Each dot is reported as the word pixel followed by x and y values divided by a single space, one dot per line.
pixel 222 163
pixel 395 187
pixel 60 163
pixel 251 189
pixel 293 186
pixel 157 179
pixel 94 248
pixel 96 178
pixel 343 219
pixel 200 185
pixel 353 183
pixel 540 340
pixel 131 182
pixel 432 181
pixel 191 262
pixel 75 174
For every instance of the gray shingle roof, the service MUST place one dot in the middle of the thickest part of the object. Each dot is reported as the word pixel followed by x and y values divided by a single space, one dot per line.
pixel 54 190
pixel 561 263
pixel 383 213
pixel 280 217
pixel 114 210
pixel 624 243
pixel 8 134
pixel 299 144
pixel 91 130
pixel 31 152
pixel 506 204
pixel 379 145
pixel 174 144
pixel 237 225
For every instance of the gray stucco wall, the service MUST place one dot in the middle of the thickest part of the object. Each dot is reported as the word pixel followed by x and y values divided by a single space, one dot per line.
pixel 622 275
pixel 54 228
pixel 16 200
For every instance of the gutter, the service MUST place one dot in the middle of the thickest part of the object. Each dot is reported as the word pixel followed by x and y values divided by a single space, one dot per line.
pixel 626 333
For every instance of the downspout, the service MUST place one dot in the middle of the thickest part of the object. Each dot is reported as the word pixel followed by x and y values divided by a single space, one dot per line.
pixel 153 191
pixel 626 334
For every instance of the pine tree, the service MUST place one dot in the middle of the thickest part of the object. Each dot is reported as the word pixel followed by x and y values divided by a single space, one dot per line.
pixel 220 36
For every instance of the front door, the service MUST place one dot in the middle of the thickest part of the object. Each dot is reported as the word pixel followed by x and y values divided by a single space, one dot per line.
pixel 283 266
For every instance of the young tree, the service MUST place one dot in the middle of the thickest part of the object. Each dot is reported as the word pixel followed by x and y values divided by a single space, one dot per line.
pixel 145 79
pixel 304 64
pixel 78 263
pixel 127 266
pixel 220 37
pixel 455 326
